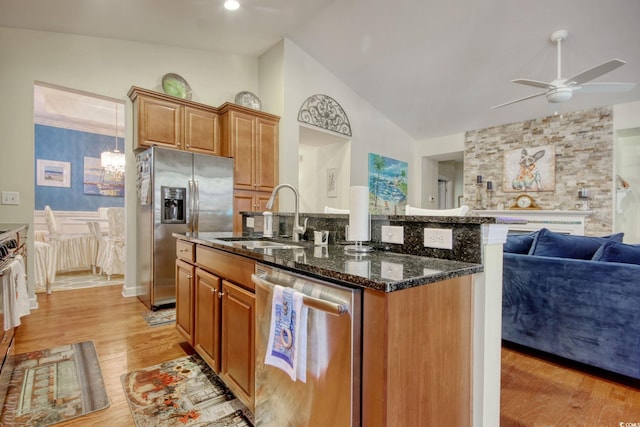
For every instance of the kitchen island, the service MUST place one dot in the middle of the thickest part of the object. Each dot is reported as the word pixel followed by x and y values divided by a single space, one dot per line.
pixel 417 323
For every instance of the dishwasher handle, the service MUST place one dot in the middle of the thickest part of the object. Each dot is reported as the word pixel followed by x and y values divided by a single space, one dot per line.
pixel 312 302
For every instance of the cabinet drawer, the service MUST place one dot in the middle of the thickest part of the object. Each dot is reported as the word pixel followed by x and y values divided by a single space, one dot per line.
pixel 184 250
pixel 232 267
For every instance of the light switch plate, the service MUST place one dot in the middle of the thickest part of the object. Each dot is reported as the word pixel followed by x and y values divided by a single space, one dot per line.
pixel 10 198
pixel 392 234
pixel 250 222
pixel 439 238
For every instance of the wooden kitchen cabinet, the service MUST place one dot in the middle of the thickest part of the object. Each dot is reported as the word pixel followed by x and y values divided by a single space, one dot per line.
pixel 185 299
pixel 207 317
pixel 251 137
pixel 238 341
pixel 170 122
pixel 248 201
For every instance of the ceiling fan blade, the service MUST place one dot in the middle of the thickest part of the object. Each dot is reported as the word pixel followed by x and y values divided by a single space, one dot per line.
pixel 596 71
pixel 534 83
pixel 604 87
pixel 520 99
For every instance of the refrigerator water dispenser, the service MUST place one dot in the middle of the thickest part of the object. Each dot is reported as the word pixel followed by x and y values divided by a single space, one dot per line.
pixel 173 201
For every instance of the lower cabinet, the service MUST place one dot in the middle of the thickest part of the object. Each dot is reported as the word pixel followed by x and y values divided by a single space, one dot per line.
pixel 215 312
pixel 207 318
pixel 238 339
pixel 185 299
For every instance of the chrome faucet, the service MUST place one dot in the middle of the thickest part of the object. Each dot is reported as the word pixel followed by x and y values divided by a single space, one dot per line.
pixel 298 230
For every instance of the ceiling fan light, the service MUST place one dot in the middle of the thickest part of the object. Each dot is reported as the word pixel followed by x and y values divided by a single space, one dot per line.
pixel 560 94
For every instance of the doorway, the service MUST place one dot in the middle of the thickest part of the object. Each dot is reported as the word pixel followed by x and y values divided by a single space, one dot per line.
pixel 324 170
pixel 72 130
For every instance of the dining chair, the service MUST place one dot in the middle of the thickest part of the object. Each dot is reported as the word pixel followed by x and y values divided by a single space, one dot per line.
pixel 114 252
pixel 98 261
pixel 461 211
pixel 68 251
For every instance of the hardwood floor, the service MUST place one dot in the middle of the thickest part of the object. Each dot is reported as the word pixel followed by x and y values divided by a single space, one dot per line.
pixel 535 392
pixel 122 338
pixel 541 392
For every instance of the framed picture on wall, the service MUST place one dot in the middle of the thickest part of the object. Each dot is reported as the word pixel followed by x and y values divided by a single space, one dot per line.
pixel 332 182
pixel 530 169
pixel 52 173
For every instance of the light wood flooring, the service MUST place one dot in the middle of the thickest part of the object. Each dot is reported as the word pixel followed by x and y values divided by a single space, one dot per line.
pixel 535 392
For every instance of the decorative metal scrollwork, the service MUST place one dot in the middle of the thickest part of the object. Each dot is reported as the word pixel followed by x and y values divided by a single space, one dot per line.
pixel 324 112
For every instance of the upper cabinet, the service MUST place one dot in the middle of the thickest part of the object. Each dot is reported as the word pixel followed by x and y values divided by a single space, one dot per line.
pixel 252 136
pixel 170 122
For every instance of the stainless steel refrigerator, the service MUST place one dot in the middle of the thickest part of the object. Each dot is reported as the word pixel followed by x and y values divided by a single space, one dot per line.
pixel 178 192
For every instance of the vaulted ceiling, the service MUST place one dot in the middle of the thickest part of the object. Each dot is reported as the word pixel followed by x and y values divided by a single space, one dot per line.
pixel 433 67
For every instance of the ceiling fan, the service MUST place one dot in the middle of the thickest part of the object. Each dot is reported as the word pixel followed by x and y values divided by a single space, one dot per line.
pixel 561 89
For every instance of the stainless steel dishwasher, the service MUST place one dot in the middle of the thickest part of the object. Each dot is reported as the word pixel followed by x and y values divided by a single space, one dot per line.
pixel 331 394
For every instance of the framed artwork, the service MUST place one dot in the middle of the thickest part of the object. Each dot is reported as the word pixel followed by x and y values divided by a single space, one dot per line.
pixel 332 182
pixel 387 185
pixel 529 169
pixel 51 173
pixel 99 182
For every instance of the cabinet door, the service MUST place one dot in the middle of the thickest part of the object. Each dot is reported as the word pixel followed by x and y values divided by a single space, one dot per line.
pixel 159 123
pixel 201 131
pixel 243 201
pixel 184 299
pixel 238 339
pixel 266 155
pixel 243 138
pixel 207 318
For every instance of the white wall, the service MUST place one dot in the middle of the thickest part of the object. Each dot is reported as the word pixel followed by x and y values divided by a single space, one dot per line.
pixel 371 131
pixel 102 66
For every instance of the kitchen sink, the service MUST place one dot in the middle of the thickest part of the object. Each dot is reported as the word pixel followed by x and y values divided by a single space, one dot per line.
pixel 262 244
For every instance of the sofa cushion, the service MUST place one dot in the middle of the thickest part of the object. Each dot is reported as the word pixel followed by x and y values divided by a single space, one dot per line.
pixel 549 243
pixel 618 252
pixel 519 243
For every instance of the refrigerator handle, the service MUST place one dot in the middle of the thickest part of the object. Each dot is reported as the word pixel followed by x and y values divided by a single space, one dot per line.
pixel 196 209
pixel 190 213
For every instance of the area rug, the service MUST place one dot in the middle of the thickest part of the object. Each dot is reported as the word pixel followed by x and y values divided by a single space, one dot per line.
pixel 184 392
pixel 54 385
pixel 160 317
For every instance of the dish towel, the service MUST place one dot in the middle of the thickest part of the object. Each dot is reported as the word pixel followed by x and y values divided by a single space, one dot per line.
pixel 15 296
pixel 287 347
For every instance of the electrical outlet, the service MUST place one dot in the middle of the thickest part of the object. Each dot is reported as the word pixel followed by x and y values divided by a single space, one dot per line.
pixel 10 198
pixel 392 234
pixel 440 238
pixel 250 222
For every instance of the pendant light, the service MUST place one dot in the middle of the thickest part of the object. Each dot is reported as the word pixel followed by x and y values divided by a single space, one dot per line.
pixel 113 161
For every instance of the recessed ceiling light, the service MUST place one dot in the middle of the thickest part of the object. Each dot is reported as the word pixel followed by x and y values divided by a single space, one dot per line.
pixel 231 5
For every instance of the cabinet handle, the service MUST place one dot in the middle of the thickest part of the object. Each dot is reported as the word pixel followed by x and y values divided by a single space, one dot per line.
pixel 214 290
pixel 220 294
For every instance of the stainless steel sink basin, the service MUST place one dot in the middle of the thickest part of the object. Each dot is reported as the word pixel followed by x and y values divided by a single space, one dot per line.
pixel 262 244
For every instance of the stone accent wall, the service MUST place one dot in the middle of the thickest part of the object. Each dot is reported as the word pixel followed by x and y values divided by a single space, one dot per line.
pixel 584 159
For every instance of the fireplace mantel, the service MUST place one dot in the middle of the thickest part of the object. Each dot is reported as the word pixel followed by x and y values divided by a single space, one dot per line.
pixel 568 222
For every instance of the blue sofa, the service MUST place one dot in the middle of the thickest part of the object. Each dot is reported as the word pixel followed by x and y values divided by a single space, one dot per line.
pixel 562 296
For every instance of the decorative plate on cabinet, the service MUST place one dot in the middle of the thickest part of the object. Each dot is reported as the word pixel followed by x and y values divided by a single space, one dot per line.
pixel 248 99
pixel 174 85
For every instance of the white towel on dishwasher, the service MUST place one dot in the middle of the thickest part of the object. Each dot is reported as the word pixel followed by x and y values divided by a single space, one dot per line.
pixel 286 349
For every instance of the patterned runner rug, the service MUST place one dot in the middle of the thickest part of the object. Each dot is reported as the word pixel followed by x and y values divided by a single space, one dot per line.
pixel 54 385
pixel 160 317
pixel 182 392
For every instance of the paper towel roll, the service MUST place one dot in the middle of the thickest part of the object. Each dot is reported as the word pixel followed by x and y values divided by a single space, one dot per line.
pixel 359 222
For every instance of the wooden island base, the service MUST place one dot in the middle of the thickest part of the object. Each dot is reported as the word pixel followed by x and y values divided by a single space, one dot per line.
pixel 417 355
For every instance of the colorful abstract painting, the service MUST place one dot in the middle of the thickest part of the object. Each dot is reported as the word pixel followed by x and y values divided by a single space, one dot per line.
pixel 98 181
pixel 387 185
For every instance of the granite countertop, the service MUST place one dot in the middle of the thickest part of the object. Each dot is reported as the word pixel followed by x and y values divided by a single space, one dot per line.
pixel 379 270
